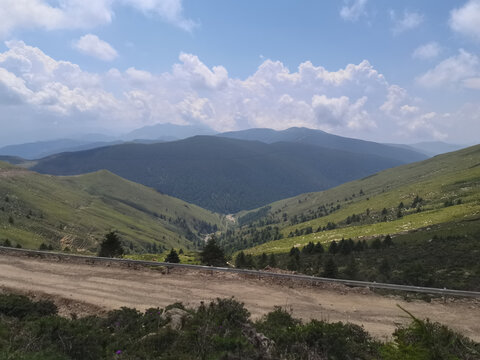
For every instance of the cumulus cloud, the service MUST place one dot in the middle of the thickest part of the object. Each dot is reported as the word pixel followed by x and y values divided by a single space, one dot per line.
pixel 353 10
pixel 93 46
pixel 463 68
pixel 340 112
pixel 466 19
pixel 427 51
pixel 84 14
pixel 409 21
pixel 45 94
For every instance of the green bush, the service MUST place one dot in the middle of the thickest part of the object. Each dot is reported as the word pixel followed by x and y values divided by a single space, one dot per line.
pixel 20 306
pixel 222 329
pixel 426 340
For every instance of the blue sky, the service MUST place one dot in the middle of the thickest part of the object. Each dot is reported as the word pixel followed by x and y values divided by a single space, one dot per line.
pixel 400 71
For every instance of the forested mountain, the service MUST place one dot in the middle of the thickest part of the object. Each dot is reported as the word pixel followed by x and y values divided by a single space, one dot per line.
pixel 326 140
pixel 220 174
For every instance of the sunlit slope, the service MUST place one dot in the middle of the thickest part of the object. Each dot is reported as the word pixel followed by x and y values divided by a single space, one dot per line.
pixel 448 186
pixel 77 211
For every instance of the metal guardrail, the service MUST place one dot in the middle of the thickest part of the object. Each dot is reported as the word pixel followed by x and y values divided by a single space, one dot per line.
pixel 299 277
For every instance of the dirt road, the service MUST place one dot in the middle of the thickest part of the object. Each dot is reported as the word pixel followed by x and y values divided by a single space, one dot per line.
pixel 93 288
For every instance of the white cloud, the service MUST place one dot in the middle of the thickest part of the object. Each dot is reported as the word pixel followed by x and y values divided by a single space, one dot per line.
pixel 353 10
pixel 340 112
pixel 82 14
pixel 472 83
pixel 93 46
pixel 409 21
pixel 427 51
pixel 47 95
pixel 466 19
pixel 395 97
pixel 170 10
pixel 452 71
pixel 193 71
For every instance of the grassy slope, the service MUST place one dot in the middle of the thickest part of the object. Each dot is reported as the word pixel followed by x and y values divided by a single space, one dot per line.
pixel 445 177
pixel 80 209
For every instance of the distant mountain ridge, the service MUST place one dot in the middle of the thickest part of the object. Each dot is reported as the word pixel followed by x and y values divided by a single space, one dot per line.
pixel 326 140
pixel 168 132
pixel 221 174
pixel 433 148
pixel 147 134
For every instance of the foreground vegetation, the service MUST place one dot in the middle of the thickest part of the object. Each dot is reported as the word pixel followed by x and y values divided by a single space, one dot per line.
pixel 222 329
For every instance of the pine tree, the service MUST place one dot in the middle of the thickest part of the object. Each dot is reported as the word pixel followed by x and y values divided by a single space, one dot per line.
pixel 387 242
pixel 111 246
pixel 272 261
pixel 249 262
pixel 319 248
pixel 212 254
pixel 240 261
pixel 172 257
pixel 352 268
pixel 333 248
pixel 330 269
pixel 262 262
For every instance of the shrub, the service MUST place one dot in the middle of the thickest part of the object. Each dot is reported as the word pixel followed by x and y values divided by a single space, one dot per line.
pixel 427 340
pixel 20 306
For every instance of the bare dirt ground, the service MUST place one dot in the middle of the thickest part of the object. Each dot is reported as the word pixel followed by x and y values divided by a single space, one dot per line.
pixel 86 289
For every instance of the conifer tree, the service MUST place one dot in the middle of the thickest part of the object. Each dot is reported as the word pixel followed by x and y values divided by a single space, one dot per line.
pixel 330 269
pixel 111 246
pixel 172 257
pixel 212 254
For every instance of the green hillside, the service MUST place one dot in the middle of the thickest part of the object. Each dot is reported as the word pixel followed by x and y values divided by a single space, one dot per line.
pixel 447 186
pixel 430 209
pixel 77 211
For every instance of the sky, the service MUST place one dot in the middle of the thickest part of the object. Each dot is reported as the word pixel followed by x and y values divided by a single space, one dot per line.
pixel 388 71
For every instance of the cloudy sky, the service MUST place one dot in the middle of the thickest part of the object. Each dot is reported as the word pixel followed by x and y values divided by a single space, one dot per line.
pixel 390 71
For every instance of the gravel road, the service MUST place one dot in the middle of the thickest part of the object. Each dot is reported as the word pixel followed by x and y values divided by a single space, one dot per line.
pixel 85 288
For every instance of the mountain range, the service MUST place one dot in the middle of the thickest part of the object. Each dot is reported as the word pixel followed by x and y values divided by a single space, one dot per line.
pixel 222 174
pixel 146 134
pixel 326 140
pixel 171 132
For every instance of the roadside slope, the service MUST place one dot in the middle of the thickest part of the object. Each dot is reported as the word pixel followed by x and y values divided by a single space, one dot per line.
pixel 113 287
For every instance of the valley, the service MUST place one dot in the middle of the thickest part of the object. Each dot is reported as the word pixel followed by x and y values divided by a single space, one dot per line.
pixel 414 224
pixel 226 180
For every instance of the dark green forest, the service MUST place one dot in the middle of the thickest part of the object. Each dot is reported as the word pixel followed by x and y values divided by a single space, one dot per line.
pixel 220 174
